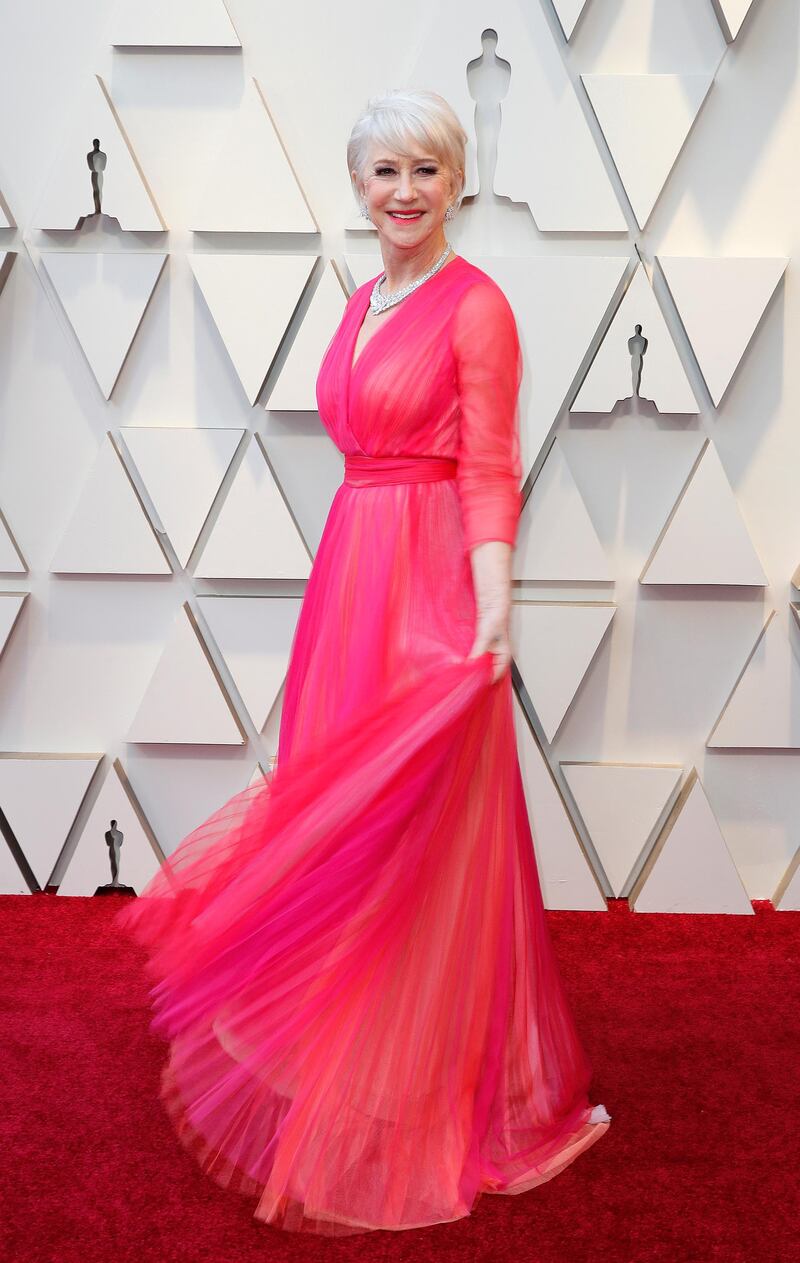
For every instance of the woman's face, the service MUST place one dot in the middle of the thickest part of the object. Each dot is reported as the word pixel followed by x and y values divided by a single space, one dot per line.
pixel 406 196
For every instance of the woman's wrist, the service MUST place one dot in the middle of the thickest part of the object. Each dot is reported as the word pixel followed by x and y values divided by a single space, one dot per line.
pixel 490 562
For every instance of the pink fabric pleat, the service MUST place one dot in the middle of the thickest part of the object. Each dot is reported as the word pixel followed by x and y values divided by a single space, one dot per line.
pixel 351 963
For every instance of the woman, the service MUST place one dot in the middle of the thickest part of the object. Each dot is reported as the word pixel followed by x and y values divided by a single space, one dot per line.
pixel 366 1021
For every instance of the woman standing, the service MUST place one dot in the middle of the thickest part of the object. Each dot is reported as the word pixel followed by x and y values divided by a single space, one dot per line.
pixel 366 1023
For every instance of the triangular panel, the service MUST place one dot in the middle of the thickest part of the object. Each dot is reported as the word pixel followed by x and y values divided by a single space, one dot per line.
pixel 557 541
pixel 182 469
pixel 568 12
pixel 295 389
pixel 690 868
pixel 254 536
pixel 109 532
pixel 705 539
pixel 180 24
pixel 611 374
pixel 68 196
pixel 104 297
pixel 621 805
pixel 761 711
pixel 732 14
pixel 252 298
pixel 252 186
pixel 554 645
pixel 139 853
pixel 40 795
pixel 645 120
pixel 721 302
pixel 185 702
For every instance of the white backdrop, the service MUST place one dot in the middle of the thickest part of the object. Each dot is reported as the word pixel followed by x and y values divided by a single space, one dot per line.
pixel 649 138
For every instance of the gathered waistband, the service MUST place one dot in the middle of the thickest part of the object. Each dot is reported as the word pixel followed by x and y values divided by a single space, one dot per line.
pixel 371 471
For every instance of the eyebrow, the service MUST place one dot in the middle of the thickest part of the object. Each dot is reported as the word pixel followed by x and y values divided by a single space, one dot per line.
pixel 380 161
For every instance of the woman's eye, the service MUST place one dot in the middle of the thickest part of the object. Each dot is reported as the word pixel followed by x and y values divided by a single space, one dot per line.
pixel 390 170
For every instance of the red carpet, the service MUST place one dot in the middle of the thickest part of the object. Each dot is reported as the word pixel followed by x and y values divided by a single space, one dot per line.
pixel 692 1024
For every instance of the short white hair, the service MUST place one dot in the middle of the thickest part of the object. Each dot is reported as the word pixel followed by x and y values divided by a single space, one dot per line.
pixel 404 114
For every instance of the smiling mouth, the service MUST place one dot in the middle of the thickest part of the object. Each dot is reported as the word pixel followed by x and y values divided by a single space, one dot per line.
pixel 403 215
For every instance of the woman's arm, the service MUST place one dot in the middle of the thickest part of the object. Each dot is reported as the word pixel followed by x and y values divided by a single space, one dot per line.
pixel 489 370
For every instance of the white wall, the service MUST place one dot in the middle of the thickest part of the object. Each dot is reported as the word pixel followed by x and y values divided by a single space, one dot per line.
pixel 84 648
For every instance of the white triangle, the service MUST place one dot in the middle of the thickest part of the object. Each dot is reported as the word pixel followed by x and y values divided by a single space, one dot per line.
pixel 705 539
pixel 184 702
pixel 565 875
pixel 761 711
pixel 180 24
pixel 559 303
pixel 254 536
pixel 89 866
pixel 251 184
pixel 621 805
pixel 10 605
pixel 610 375
pixel 104 297
pixel 40 795
pixel 252 298
pixel 67 197
pixel 721 302
pixel 254 635
pixel 568 12
pixel 295 389
pixel 11 559
pixel 557 541
pixel 691 869
pixel 182 469
pixel 734 13
pixel 109 533
pixel 554 643
pixel 645 120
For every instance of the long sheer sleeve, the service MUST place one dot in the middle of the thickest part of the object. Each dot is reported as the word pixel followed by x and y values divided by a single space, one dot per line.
pixel 489 371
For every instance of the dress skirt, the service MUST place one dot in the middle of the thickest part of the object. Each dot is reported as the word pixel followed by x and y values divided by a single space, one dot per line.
pixel 351 966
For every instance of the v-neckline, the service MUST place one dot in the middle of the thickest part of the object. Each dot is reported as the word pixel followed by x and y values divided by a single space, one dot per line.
pixel 359 322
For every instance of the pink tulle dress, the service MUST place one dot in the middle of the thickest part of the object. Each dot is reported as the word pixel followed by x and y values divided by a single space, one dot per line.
pixel 350 959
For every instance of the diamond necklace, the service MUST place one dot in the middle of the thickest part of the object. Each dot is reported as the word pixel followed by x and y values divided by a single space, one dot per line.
pixel 379 301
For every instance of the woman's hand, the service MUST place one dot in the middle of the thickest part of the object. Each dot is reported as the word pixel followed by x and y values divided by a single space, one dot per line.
pixel 491 576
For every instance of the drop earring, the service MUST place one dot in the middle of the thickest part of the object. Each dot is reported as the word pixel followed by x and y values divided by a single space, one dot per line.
pixel 364 212
pixel 449 213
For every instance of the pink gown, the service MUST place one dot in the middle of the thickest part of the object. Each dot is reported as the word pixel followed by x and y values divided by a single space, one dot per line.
pixel 352 967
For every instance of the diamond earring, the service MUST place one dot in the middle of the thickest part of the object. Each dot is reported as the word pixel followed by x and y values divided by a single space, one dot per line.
pixel 449 213
pixel 364 212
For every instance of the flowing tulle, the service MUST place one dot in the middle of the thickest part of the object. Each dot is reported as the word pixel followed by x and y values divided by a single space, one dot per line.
pixel 351 962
